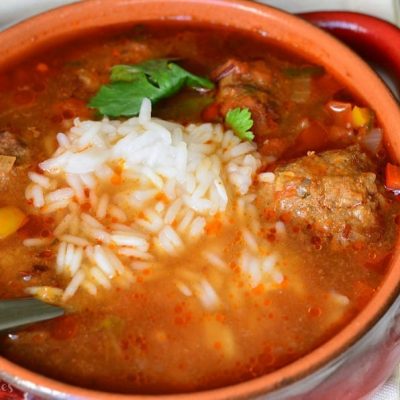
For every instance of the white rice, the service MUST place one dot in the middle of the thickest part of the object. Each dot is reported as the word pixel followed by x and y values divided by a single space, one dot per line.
pixel 69 254
pixel 250 240
pixel 127 239
pixel 41 180
pixel 99 276
pixel 340 298
pixel 103 262
pixel 52 207
pixel 102 206
pixel 197 226
pixel 59 195
pixel 207 295
pixel 280 228
pixel 215 260
pixel 74 284
pixel 118 214
pixel 37 196
pixel 184 289
pixel 267 177
pixel 63 225
pixel 130 252
pixel 148 188
pixel 140 265
pixel 90 287
pixel 60 261
pixel 76 261
pixel 269 262
pixel 77 240
pixel 37 242
pixel 93 222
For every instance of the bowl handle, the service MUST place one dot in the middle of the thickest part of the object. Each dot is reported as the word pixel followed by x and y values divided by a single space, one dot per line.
pixel 375 40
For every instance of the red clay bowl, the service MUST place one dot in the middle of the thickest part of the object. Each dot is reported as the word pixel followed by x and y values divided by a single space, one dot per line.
pixel 358 359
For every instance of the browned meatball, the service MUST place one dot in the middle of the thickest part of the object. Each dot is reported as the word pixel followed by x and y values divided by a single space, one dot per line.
pixel 248 84
pixel 334 193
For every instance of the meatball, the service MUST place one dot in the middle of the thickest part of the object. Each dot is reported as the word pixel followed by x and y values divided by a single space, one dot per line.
pixel 335 194
pixel 249 84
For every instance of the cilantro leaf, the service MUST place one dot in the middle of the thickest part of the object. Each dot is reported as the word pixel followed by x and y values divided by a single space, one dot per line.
pixel 239 119
pixel 154 79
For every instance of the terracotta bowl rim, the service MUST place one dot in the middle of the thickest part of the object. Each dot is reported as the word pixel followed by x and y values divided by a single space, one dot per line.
pixel 327 352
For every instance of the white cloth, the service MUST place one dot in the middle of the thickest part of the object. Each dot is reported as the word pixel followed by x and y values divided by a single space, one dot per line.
pixel 12 11
pixel 390 390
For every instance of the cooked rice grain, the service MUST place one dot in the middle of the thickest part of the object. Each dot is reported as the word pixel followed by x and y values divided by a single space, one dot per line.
pixel 146 186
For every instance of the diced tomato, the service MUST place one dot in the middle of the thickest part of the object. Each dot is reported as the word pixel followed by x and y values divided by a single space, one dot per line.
pixel 33 227
pixel 275 146
pixel 341 135
pixel 392 177
pixel 288 191
pixel 42 68
pixel 211 113
pixel 314 137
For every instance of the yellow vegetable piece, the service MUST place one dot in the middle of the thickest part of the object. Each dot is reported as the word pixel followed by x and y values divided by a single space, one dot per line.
pixel 48 294
pixel 11 219
pixel 6 163
pixel 360 116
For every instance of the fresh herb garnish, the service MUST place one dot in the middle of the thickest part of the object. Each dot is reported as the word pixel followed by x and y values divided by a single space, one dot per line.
pixel 154 79
pixel 239 119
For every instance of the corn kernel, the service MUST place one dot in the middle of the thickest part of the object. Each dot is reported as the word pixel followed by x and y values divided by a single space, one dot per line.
pixel 11 219
pixel 360 116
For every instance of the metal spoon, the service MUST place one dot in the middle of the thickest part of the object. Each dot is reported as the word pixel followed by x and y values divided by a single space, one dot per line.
pixel 17 313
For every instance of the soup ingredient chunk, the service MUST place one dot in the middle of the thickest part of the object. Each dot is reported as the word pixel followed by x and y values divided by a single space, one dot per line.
pixel 249 85
pixel 334 192
pixel 392 173
pixel 11 146
pixel 12 218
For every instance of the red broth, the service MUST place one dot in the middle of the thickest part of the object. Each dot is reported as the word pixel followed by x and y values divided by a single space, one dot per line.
pixel 148 337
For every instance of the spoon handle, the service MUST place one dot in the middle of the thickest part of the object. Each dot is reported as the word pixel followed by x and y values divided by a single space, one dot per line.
pixel 20 312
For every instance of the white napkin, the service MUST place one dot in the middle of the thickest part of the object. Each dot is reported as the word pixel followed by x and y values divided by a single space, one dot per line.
pixel 390 390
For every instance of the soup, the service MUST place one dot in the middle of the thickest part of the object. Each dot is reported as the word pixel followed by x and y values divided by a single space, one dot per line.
pixel 205 217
